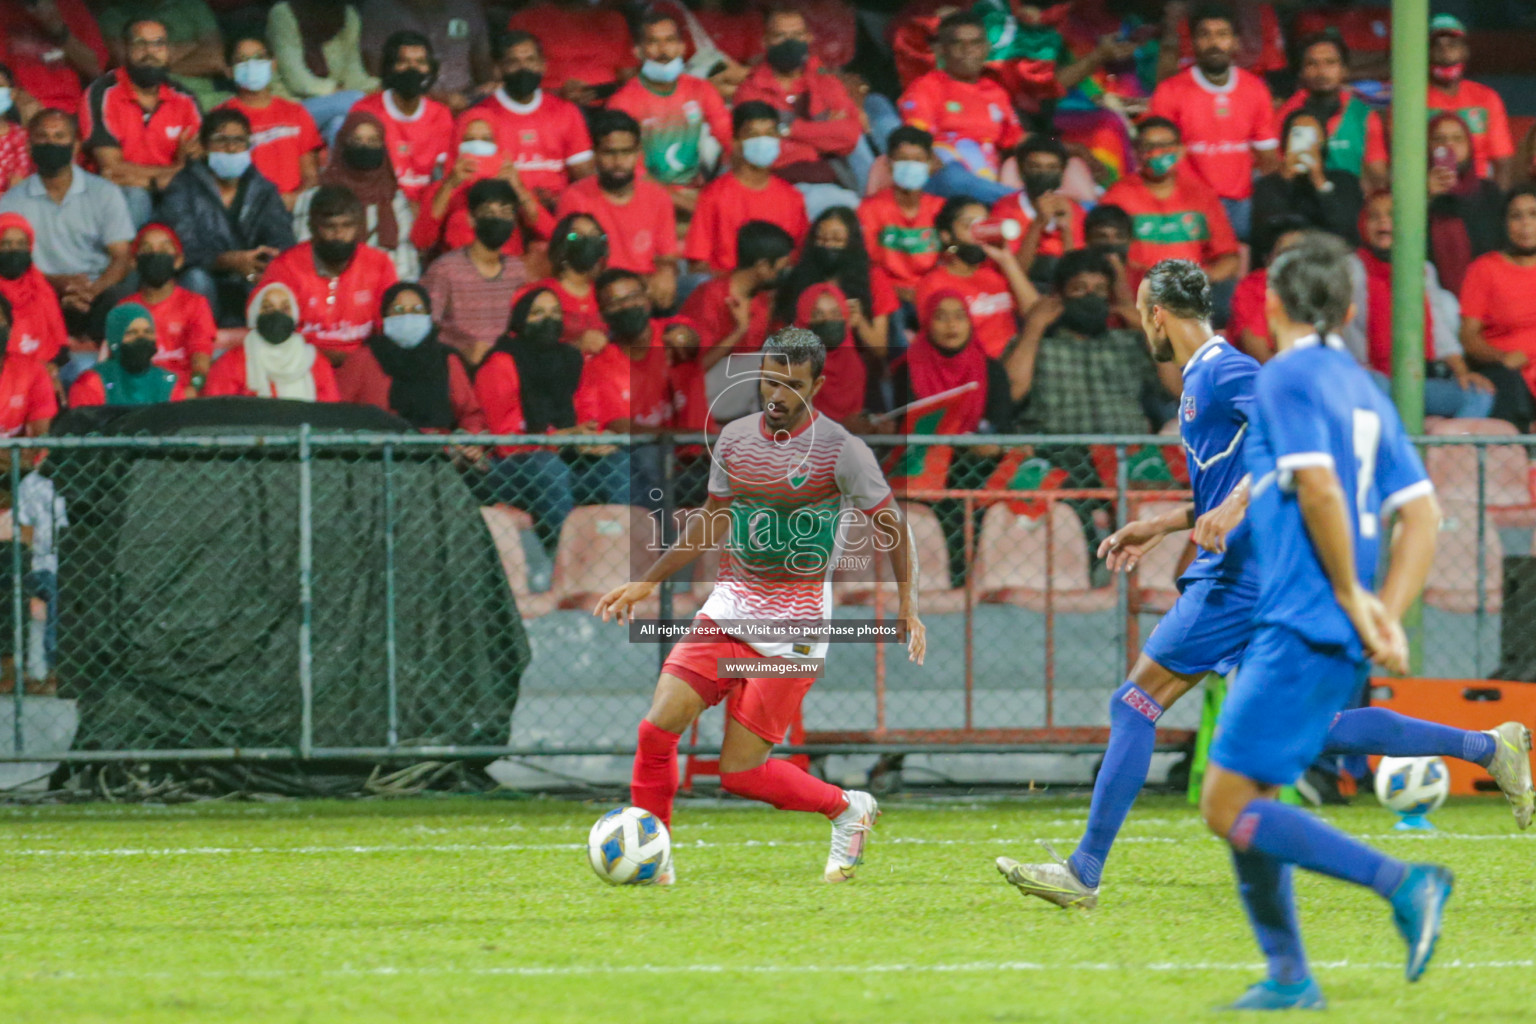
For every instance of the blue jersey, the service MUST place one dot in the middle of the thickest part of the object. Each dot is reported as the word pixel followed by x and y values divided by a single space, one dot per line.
pixel 1317 407
pixel 1214 417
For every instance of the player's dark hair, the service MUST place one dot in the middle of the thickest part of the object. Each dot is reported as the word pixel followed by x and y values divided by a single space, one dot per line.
pixel 612 276
pixel 652 16
pixel 1327 37
pixel 560 241
pixel 335 201
pixel 1081 261
pixel 514 37
pixel 1109 215
pixel 944 220
pixel 1268 232
pixel 215 119
pixel 797 346
pixel 1180 287
pixel 243 37
pixel 1041 143
pixel 1296 115
pixel 1211 12
pixel 490 190
pixel 758 240
pixel 851 275
pixel 1146 124
pixel 907 135
pixel 1313 282
pixel 398 41
pixel 959 19
pixel 605 122
pixel 746 113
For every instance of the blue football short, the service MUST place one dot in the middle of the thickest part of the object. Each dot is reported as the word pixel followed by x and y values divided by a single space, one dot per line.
pixel 1281 705
pixel 1207 628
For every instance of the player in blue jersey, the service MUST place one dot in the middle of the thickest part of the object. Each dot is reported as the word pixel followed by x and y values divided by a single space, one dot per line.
pixel 1332 467
pixel 1210 625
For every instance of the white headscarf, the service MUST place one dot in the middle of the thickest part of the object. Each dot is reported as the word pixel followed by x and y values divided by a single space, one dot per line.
pixel 281 370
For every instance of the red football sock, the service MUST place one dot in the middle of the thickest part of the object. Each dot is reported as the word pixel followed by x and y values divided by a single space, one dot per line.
pixel 654 781
pixel 786 787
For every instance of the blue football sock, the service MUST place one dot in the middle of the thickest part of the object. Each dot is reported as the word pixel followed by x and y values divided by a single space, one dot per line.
pixel 1265 887
pixel 1293 836
pixel 1379 731
pixel 1132 733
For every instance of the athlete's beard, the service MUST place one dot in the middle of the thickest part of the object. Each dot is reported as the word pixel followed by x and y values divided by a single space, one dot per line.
pixel 1162 349
pixel 787 418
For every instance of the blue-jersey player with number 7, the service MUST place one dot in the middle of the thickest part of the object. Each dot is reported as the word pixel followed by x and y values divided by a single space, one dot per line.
pixel 1331 465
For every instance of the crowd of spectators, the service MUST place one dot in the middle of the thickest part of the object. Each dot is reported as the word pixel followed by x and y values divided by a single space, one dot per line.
pixel 564 216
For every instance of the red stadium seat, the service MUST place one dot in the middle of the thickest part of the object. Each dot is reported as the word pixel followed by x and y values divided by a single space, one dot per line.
pixel 935 594
pixel 506 526
pixel 1157 575
pixel 1011 561
pixel 599 545
pixel 1507 468
pixel 1452 584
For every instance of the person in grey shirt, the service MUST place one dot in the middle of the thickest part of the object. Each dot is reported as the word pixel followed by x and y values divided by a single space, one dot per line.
pixel 81 221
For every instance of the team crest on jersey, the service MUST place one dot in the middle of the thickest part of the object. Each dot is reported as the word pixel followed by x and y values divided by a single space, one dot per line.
pixel 528 136
pixel 1188 407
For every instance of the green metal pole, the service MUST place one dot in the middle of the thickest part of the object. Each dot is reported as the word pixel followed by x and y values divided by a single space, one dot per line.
pixel 1410 172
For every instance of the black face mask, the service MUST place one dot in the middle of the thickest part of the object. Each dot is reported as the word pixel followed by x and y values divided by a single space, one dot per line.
pixel 615 182
pixel 1121 250
pixel 51 157
pixel 409 83
pixel 831 332
pixel 629 322
pixel 136 356
pixel 521 83
pixel 971 254
pixel 1037 183
pixel 824 260
pixel 494 232
pixel 1086 314
pixel 542 332
pixel 586 252
pixel 788 55
pixel 363 158
pixel 1323 107
pixel 156 268
pixel 147 77
pixel 275 328
pixel 333 252
pixel 777 281
pixel 14 263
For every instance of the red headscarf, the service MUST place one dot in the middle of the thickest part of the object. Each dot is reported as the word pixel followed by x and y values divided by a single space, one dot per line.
pixel 375 188
pixel 934 370
pixel 37 322
pixel 1378 301
pixel 843 394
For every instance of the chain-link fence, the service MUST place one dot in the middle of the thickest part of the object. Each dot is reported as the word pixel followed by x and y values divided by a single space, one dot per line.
pixel 323 596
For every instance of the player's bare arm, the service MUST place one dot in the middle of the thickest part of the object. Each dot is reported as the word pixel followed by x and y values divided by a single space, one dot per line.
pixel 1414 533
pixel 1212 528
pixel 703 533
pixel 897 539
pixel 1127 546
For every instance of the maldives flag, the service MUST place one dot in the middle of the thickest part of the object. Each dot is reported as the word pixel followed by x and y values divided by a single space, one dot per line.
pixel 925 467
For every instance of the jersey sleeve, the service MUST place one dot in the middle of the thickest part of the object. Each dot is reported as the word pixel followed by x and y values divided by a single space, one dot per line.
pixel 916 106
pixel 1223 239
pixel 1500 143
pixel 1266 132
pixel 719 476
pixel 1375 139
pixel 1163 102
pixel 715 115
pixel 698 244
pixel 859 477
pixel 1476 295
pixel 201 332
pixel 578 141
pixel 1296 418
pixel 1400 475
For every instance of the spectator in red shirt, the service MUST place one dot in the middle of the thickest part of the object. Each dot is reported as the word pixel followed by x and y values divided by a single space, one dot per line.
pixel 335 279
pixel 749 192
pixel 472 287
pixel 1498 306
pixel 735 310
pixel 1481 107
pixel 184 327
pixel 898 221
pixel 360 163
pixel 588 47
pixel 578 255
pixel 274 361
pixel 138 125
pixel 970 116
pixel 407 370
pixel 1356 138
pixel 825 311
pixel 635 213
pixel 445 221
pixel 129 376
pixel 459 37
pixel 284 140
pixel 1225 116
pixel 16 110
pixel 1248 326
pixel 997 292
pixel 52 45
pixel 1052 222
pixel 819 124
pixel 835 254
pixel 418 130
pixel 625 387
pixel 35 321
pixel 28 403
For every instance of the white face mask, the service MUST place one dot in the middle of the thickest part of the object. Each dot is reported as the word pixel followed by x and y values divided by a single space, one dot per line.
pixel 667 73
pixel 408 329
pixel 5 99
pixel 478 147
pixel 254 74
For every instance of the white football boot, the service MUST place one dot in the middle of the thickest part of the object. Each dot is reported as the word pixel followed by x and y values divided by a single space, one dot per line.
pixel 1511 768
pixel 1055 882
pixel 850 835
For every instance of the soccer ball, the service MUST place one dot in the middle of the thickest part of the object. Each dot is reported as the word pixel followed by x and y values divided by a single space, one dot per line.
pixel 628 846
pixel 1412 785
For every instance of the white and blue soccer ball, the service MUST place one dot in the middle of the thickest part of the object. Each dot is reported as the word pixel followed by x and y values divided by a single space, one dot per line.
pixel 628 846
pixel 1412 786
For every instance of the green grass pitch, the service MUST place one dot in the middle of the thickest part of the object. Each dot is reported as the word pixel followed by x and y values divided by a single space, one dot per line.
pixel 466 910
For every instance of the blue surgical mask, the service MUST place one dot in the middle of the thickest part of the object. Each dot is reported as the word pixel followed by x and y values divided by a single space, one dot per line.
pixel 5 100
pixel 656 71
pixel 254 74
pixel 911 175
pixel 408 329
pixel 761 150
pixel 478 147
pixel 228 166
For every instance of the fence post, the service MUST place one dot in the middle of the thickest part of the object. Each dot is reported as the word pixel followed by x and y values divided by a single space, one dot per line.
pixel 1482 552
pixel 18 625
pixel 1122 580
pixel 668 507
pixel 391 661
pixel 306 594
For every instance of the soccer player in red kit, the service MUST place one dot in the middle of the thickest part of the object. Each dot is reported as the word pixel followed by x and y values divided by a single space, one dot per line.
pixel 782 486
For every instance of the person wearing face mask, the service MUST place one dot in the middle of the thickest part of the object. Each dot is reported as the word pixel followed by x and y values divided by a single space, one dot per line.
pixel 1052 222
pixel 542 135
pixel 819 123
pixel 129 375
pixel 407 370
pixel 673 110
pixel 625 387
pixel 1465 210
pixel 1357 138
pixel 824 310
pixel 28 402
pixel 35 323
pixel 472 287
pixel 458 32
pixel 735 311
pixel 588 46
pixel 194 56
pixel 636 214
pixel 274 361
pixel 1498 309
pixel 444 221
pixel 418 130
pixel 1329 199
pixel 360 163
pixel 835 254
pixel 230 219
pixel 750 191
pixel 898 221
pixel 578 255
pixel 1481 107
pixel 335 278
pixel 994 284
pixel 184 328
pixel 284 140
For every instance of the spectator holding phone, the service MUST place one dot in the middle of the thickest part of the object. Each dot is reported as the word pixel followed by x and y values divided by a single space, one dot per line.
pixel 1465 210
pixel 1329 198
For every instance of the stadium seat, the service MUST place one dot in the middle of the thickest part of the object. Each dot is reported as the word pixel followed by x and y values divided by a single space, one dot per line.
pixel 1011 561
pixel 506 525
pixel 1452 584
pixel 598 546
pixel 1157 575
pixel 935 594
pixel 1506 481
